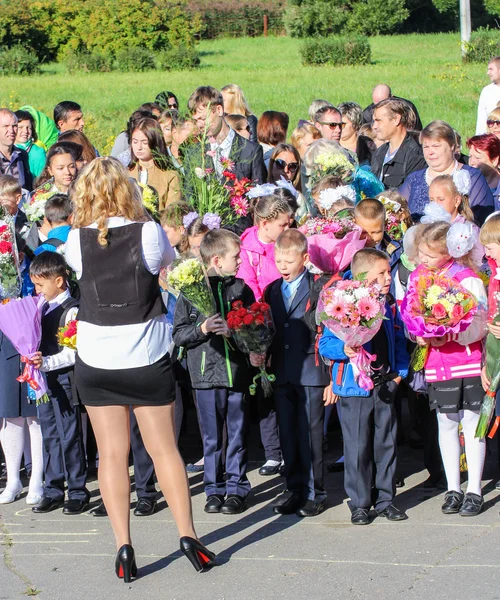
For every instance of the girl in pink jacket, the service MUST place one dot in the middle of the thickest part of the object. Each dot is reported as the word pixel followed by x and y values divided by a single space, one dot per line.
pixel 453 365
pixel 272 215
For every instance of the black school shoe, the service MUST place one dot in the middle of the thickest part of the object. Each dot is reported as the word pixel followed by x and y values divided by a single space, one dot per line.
pixel 359 516
pixel 452 502
pixel 311 509
pixel 472 505
pixel 75 507
pixel 234 505
pixel 391 513
pixel 214 503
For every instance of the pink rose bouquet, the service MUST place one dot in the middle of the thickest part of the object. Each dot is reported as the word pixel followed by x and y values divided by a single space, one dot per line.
pixel 353 311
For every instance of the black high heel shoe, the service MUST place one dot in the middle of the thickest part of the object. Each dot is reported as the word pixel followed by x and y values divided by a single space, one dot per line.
pixel 125 566
pixel 200 557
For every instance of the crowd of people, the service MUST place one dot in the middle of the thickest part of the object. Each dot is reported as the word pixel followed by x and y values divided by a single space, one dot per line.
pixel 97 238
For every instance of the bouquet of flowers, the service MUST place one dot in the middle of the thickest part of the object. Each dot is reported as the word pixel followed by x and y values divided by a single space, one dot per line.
pixel 333 163
pixel 10 278
pixel 253 331
pixel 395 224
pixel 492 372
pixel 237 190
pixel 189 278
pixel 332 242
pixel 66 336
pixel 150 199
pixel 35 209
pixel 436 306
pixel 353 311
pixel 21 322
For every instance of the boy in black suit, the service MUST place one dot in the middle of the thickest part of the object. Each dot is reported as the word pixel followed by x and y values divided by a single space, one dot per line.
pixel 300 378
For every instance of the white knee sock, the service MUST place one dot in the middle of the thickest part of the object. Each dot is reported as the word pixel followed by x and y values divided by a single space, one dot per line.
pixel 27 445
pixel 13 444
pixel 449 445
pixel 35 433
pixel 475 449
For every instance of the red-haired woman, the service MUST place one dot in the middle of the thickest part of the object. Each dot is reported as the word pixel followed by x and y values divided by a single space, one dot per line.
pixel 484 154
pixel 272 128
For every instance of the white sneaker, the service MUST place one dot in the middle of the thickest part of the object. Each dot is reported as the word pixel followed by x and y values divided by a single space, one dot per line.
pixel 33 499
pixel 8 496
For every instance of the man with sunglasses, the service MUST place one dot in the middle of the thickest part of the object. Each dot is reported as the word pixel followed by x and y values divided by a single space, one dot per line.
pixel 207 109
pixel 328 121
pixel 490 96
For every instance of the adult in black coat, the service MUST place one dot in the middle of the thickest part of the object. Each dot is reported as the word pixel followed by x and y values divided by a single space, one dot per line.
pixel 382 92
pixel 207 107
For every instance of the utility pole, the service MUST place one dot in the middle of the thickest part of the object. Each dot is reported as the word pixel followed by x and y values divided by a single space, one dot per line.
pixel 465 25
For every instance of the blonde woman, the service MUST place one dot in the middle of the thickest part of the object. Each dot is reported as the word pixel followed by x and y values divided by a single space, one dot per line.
pixel 236 104
pixel 123 341
pixel 493 122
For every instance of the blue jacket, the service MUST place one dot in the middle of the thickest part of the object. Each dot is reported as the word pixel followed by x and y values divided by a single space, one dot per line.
pixel 332 347
pixel 57 233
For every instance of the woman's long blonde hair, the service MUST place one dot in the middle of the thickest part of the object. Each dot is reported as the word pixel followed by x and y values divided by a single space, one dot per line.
pixel 102 190
pixel 235 102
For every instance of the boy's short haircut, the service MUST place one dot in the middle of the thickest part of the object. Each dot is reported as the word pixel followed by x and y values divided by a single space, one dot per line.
pixel 49 265
pixel 58 209
pixel 9 186
pixel 217 242
pixel 291 240
pixel 203 96
pixel 370 209
pixel 325 183
pixel 364 260
pixel 490 231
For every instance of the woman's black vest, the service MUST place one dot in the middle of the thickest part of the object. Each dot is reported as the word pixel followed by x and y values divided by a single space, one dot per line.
pixel 116 287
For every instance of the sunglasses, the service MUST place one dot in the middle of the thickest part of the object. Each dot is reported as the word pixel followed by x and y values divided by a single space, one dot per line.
pixel 174 105
pixel 491 123
pixel 332 125
pixel 282 165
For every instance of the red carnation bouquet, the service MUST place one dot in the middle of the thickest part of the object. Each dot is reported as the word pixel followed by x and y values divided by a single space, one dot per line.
pixel 253 331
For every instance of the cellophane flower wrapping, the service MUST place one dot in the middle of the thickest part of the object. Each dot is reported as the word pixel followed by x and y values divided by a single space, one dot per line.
pixel 492 365
pixel 21 322
pixel 437 305
pixel 353 310
pixel 332 242
pixel 10 277
pixel 188 277
pixel 66 336
pixel 253 330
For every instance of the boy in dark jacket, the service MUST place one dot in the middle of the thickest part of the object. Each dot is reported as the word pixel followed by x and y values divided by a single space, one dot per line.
pixel 300 378
pixel 219 373
pixel 368 417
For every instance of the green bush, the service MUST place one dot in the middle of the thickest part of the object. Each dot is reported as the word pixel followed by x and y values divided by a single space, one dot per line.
pixel 348 50
pixel 483 45
pixel 375 17
pixel 135 60
pixel 316 18
pixel 87 62
pixel 18 60
pixel 180 58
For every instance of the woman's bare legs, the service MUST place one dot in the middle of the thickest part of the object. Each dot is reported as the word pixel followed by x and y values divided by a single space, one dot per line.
pixel 111 426
pixel 156 424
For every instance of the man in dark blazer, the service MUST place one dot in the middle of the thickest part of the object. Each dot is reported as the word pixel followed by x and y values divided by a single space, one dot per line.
pixel 207 108
pixel 300 379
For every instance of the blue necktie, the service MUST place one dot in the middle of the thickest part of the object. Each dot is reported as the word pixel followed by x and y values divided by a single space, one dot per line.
pixel 287 295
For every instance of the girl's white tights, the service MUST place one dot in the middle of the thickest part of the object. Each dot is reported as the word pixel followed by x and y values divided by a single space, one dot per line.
pixel 449 444
pixel 12 440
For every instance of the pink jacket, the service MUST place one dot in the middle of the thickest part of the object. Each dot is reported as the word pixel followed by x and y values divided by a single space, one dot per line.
pixel 461 356
pixel 257 268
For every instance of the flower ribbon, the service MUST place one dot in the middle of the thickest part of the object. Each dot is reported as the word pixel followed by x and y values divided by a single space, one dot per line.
pixel 27 374
pixel 493 431
pixel 361 363
pixel 266 377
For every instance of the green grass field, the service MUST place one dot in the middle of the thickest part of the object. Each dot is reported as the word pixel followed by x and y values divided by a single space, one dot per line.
pixel 424 68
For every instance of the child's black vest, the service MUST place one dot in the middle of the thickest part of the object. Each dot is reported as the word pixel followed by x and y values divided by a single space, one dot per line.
pixel 50 324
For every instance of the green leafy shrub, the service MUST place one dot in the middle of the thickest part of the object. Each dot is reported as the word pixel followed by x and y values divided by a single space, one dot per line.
pixel 374 17
pixel 348 50
pixel 135 60
pixel 88 62
pixel 316 18
pixel 18 60
pixel 180 58
pixel 483 45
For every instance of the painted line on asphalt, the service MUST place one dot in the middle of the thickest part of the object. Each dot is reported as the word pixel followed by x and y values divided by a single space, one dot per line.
pixel 53 533
pixel 283 559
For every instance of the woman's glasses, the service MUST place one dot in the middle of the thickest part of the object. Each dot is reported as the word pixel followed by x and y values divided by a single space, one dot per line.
pixel 491 123
pixel 282 165
pixel 173 105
